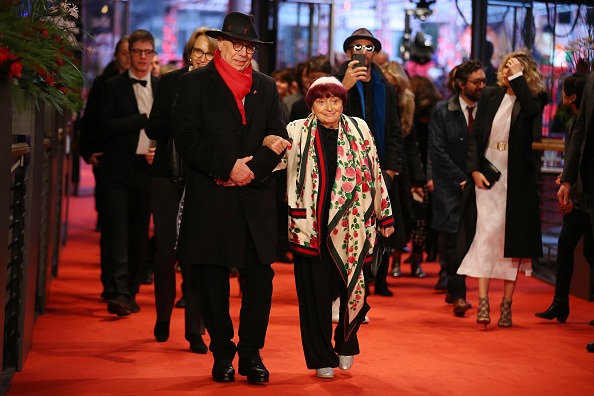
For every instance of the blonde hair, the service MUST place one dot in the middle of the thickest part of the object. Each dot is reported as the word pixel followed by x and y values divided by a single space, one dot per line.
pixel 212 43
pixel 533 76
pixel 406 99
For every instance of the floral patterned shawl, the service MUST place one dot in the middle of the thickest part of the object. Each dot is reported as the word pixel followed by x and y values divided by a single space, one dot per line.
pixel 358 197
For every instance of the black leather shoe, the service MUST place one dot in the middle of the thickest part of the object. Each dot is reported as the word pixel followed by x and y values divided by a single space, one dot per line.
pixel 119 306
pixel 161 331
pixel 590 347
pixel 223 371
pixel 254 369
pixel 460 307
pixel 181 303
pixel 442 283
pixel 448 298
pixel 383 291
pixel 197 344
pixel 134 307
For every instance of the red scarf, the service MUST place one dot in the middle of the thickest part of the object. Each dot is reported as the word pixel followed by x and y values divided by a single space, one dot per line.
pixel 239 83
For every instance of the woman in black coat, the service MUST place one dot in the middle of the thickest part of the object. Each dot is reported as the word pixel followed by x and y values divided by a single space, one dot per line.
pixel 165 198
pixel 501 219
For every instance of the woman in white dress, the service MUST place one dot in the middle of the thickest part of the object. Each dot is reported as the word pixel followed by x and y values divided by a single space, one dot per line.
pixel 500 225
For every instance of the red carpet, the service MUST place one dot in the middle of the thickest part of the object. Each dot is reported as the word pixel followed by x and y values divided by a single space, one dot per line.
pixel 413 344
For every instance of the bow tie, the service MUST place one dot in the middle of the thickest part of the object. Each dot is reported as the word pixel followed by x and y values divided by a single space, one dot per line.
pixel 141 82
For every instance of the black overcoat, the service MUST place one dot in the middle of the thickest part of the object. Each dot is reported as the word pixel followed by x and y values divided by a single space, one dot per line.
pixel 209 134
pixel 523 237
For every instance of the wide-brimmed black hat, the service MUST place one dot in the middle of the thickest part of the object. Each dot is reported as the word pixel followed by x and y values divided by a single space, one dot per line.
pixel 239 26
pixel 362 34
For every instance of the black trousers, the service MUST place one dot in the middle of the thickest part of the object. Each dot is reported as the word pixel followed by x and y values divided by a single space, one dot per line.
pixel 107 277
pixel 127 218
pixel 165 197
pixel 448 256
pixel 575 225
pixel 315 280
pixel 213 287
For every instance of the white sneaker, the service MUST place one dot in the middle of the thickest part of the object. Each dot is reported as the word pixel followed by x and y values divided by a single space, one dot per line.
pixel 325 372
pixel 345 362
pixel 335 310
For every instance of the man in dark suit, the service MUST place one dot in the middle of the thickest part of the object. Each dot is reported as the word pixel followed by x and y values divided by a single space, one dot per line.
pixel 371 97
pixel 579 160
pixel 91 149
pixel 222 114
pixel 126 103
pixel 449 129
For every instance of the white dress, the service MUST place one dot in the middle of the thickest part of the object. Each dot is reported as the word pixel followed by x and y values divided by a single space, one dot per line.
pixel 485 256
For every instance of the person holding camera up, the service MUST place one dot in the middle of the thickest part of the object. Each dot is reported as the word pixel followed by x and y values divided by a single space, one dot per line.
pixel 371 97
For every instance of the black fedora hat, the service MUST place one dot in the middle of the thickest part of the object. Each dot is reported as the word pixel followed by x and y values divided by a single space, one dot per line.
pixel 362 34
pixel 239 26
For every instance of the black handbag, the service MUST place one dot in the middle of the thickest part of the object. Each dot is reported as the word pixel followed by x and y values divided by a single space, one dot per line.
pixel 492 174
pixel 177 165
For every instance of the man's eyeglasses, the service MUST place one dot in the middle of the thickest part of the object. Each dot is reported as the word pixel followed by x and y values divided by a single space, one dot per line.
pixel 250 49
pixel 478 81
pixel 139 52
pixel 360 47
pixel 198 53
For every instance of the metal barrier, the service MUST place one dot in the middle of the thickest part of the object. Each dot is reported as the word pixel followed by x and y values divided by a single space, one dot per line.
pixel 35 163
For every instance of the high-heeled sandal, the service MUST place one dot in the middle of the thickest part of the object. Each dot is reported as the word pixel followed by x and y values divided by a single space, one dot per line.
pixel 505 320
pixel 482 316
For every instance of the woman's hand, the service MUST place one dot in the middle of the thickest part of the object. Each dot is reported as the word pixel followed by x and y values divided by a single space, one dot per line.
pixel 480 180
pixel 276 143
pixel 386 232
pixel 558 179
pixel 563 193
pixel 353 75
pixel 514 66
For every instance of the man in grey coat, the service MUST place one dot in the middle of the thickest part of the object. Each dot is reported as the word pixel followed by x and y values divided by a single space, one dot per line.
pixel 449 128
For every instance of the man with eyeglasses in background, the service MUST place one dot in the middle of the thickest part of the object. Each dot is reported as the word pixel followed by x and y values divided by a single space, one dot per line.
pixel 449 129
pixel 127 99
pixel 221 116
pixel 371 97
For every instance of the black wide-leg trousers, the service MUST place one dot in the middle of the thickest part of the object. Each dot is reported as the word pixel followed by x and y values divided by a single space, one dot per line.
pixel 315 279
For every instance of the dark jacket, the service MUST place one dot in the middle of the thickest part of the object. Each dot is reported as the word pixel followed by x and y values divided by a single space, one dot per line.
pixel 210 135
pixel 523 237
pixel 121 125
pixel 579 154
pixel 392 134
pixel 90 124
pixel 448 141
pixel 160 124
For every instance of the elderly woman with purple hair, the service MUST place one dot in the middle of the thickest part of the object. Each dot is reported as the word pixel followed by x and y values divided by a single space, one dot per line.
pixel 337 198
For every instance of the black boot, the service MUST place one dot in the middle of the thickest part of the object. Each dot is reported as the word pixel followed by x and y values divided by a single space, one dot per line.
pixel 415 266
pixel 559 309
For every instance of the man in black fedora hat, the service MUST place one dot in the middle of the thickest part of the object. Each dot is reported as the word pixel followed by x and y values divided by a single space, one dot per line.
pixel 222 114
pixel 371 97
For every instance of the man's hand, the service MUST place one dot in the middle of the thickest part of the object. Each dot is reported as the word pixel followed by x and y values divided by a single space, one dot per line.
pixel 558 179
pixel 480 180
pixel 430 185
pixel 94 159
pixel 563 193
pixel 353 75
pixel 391 173
pixel 276 143
pixel 241 174
pixel 419 191
pixel 462 184
pixel 228 183
pixel 150 156
pixel 386 232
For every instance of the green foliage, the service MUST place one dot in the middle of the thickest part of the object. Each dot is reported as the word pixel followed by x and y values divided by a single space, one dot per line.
pixel 39 52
